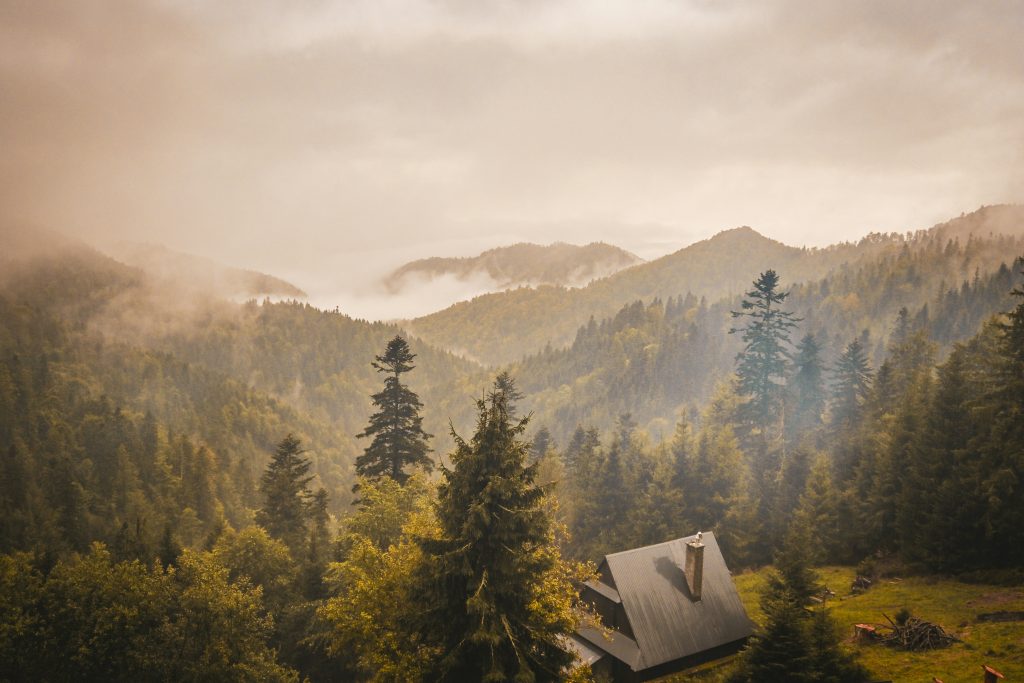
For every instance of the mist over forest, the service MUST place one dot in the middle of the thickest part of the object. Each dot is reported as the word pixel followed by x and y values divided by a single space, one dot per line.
pixel 589 342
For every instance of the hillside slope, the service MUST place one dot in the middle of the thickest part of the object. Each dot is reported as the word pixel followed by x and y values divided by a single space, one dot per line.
pixel 189 272
pixel 503 327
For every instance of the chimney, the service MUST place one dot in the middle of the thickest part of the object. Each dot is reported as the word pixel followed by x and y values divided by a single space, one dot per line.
pixel 694 569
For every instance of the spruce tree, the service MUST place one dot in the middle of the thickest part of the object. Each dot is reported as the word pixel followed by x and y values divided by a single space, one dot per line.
pixel 396 428
pixel 286 497
pixel 795 644
pixel 482 591
pixel 851 382
pixel 806 387
pixel 506 384
pixel 761 365
pixel 542 441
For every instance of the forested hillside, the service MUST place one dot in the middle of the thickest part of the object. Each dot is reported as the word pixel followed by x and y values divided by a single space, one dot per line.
pixel 509 325
pixel 658 358
pixel 911 457
pixel 191 461
pixel 111 382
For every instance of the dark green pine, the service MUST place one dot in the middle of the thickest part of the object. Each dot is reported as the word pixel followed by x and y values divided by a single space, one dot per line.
pixel 396 429
pixel 483 569
pixel 761 365
pixel 285 490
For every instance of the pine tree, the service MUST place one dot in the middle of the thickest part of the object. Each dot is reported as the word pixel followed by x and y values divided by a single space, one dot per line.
pixel 1002 451
pixel 285 489
pixel 542 441
pixel 484 589
pixel 506 384
pixel 851 382
pixel 818 510
pixel 318 548
pixel 396 428
pixel 761 365
pixel 795 645
pixel 806 387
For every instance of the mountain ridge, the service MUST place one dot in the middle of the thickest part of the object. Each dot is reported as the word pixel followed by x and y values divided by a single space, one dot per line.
pixel 193 272
pixel 518 264
pixel 509 325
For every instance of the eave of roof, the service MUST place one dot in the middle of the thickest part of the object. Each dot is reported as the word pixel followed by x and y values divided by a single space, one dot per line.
pixel 584 650
pixel 615 643
pixel 604 590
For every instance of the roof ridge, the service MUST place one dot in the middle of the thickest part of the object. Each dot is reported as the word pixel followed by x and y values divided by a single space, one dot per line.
pixel 657 545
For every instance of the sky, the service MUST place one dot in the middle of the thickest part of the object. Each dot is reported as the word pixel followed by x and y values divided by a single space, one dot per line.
pixel 327 142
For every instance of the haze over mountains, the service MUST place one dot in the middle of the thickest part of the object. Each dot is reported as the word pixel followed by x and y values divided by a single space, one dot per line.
pixel 129 402
pixel 650 339
pixel 190 272
pixel 568 265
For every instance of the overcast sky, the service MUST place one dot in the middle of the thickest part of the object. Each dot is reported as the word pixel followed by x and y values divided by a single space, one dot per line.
pixel 326 140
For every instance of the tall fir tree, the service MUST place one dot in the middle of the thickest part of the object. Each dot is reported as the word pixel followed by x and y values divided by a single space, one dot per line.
pixel 286 496
pixel 398 440
pixel 484 588
pixel 761 365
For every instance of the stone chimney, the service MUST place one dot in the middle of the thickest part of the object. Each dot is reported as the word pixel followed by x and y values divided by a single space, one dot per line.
pixel 694 569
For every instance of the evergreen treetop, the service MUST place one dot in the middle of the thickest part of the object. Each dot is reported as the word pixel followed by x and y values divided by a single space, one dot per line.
pixel 496 591
pixel 398 440
pixel 761 365
pixel 851 382
pixel 285 489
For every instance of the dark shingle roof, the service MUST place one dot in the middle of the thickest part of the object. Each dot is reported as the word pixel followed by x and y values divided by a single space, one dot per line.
pixel 666 623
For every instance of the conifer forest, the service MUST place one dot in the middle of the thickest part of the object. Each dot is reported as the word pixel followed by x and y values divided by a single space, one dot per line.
pixel 489 321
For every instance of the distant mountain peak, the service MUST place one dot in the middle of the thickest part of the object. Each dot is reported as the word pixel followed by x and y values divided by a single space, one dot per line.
pixel 515 265
pixel 744 232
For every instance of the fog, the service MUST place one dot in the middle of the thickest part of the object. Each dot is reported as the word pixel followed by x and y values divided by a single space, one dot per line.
pixel 329 142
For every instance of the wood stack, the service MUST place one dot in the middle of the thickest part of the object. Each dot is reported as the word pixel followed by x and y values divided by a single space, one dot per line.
pixel 860 584
pixel 917 634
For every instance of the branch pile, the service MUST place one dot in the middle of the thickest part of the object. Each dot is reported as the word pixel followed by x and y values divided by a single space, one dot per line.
pixel 917 634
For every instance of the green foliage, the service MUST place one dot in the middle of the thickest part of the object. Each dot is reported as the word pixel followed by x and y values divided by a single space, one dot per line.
pixel 399 441
pixel 806 388
pixel 793 643
pixel 375 586
pixel 286 495
pixel 851 383
pixel 941 600
pixel 763 362
pixel 95 619
pixel 254 556
pixel 496 596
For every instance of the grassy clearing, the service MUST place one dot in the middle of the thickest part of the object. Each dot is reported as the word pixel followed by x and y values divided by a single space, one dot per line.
pixel 951 604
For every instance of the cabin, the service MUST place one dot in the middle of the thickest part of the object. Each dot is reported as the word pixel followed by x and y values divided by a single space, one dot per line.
pixel 665 608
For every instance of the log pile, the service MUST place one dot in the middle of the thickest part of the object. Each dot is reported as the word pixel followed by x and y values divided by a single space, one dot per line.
pixel 860 584
pixel 916 634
